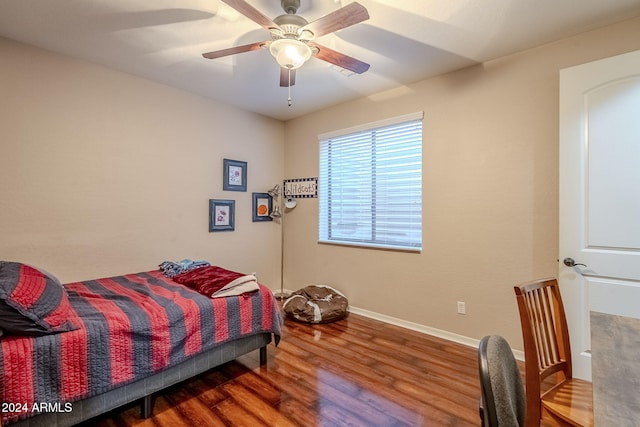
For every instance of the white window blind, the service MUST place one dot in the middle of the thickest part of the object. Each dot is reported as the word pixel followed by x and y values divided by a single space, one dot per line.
pixel 370 185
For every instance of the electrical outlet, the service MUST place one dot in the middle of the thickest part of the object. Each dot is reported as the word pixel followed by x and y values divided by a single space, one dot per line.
pixel 462 309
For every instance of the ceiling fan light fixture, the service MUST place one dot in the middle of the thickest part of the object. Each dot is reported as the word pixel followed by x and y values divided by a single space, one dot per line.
pixel 290 53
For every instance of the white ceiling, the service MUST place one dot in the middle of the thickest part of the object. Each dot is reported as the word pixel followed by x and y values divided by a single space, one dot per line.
pixel 404 41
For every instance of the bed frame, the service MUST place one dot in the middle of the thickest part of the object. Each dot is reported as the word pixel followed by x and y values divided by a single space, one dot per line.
pixel 143 389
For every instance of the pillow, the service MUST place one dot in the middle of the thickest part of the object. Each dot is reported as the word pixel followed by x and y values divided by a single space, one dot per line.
pixel 31 302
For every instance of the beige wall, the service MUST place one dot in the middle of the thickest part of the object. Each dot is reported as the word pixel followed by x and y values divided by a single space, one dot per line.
pixel 104 173
pixel 490 198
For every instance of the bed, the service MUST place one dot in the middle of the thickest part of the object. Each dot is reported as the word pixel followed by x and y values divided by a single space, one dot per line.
pixel 88 347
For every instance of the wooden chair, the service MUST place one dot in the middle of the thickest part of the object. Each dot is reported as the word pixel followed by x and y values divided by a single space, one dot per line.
pixel 552 393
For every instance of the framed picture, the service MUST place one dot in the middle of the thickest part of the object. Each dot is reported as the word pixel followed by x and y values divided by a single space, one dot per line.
pixel 234 175
pixel 222 215
pixel 262 204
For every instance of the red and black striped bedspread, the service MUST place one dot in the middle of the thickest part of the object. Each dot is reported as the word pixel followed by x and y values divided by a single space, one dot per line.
pixel 131 327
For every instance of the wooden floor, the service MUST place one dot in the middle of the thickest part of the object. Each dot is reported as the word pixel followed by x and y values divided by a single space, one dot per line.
pixel 355 372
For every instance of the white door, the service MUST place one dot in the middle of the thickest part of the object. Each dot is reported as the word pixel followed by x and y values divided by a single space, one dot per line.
pixel 599 195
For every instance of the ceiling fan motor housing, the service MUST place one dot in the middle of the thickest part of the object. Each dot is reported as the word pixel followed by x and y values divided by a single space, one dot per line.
pixel 289 25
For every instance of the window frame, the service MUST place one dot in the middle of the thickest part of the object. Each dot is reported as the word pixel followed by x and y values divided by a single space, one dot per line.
pixel 411 244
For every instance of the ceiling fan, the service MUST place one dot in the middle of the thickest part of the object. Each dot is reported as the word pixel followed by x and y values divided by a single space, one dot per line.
pixel 292 37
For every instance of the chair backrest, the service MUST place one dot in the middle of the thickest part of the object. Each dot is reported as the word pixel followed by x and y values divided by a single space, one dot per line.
pixel 503 396
pixel 545 337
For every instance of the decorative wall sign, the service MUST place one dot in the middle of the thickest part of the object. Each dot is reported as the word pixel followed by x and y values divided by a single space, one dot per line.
pixel 234 176
pixel 262 203
pixel 222 215
pixel 301 188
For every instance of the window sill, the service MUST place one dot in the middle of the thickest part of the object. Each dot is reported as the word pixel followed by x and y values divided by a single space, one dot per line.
pixel 371 246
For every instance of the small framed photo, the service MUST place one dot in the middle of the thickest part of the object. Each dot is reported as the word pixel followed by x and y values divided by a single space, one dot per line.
pixel 222 215
pixel 262 205
pixel 234 175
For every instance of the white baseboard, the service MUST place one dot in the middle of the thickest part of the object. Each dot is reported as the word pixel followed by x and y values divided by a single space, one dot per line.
pixel 460 339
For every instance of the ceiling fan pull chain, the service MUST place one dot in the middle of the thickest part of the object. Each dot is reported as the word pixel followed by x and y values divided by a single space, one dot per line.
pixel 289 100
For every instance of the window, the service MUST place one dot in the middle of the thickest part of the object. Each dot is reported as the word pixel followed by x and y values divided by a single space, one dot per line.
pixel 370 189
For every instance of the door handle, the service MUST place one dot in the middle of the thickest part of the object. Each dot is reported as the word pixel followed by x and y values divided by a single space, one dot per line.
pixel 570 262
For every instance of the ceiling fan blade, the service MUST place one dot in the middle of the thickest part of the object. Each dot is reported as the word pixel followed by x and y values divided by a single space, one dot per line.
pixel 344 17
pixel 340 59
pixel 252 13
pixel 287 80
pixel 234 50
